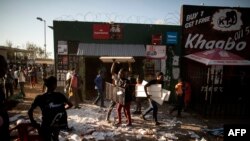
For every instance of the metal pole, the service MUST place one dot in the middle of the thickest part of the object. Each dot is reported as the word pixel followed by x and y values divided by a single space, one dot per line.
pixel 44 38
pixel 41 19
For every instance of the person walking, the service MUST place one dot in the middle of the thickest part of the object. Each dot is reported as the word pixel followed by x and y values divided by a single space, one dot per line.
pixel 75 85
pixel 32 76
pixel 152 104
pixel 99 87
pixel 138 100
pixel 121 81
pixel 21 80
pixel 16 78
pixel 179 91
pixel 115 77
pixel 9 81
pixel 53 106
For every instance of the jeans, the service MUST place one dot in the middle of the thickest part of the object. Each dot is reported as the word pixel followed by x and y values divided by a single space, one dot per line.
pixel 111 106
pixel 179 105
pixel 152 106
pixel 21 84
pixel 99 97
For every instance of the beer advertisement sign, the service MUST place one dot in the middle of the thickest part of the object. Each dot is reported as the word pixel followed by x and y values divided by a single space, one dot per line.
pixel 207 27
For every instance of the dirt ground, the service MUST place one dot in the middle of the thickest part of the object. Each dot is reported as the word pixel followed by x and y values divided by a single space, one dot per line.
pixel 190 126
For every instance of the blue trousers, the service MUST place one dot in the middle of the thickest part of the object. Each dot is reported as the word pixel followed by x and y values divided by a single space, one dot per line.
pixel 152 107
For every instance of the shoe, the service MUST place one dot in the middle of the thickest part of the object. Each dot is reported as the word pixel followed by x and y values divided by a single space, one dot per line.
pixel 178 116
pixel 157 123
pixel 136 112
pixel 129 124
pixel 108 121
pixel 77 107
pixel 142 117
pixel 103 106
pixel 118 124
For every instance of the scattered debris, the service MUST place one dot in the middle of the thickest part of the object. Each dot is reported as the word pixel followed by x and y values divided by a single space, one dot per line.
pixel 215 132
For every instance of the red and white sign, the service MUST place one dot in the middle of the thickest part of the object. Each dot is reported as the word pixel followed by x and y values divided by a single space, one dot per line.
pixel 218 57
pixel 156 51
pixel 101 31
pixel 156 39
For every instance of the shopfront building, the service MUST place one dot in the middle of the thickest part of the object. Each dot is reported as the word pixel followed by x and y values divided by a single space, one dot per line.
pixel 219 87
pixel 81 45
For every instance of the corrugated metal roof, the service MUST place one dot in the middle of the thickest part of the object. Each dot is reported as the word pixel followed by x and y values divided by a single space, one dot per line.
pixel 111 50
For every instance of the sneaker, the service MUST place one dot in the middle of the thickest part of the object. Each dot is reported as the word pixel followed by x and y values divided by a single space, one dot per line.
pixel 118 124
pixel 77 107
pixel 142 117
pixel 103 106
pixel 137 112
pixel 129 124
pixel 178 116
pixel 157 123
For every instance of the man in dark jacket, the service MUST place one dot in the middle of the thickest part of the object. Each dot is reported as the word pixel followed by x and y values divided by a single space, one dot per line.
pixel 152 104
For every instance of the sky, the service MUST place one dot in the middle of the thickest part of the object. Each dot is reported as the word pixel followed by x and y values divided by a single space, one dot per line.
pixel 19 23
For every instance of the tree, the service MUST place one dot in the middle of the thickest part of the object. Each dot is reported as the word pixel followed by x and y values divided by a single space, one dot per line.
pixel 9 44
pixel 10 51
pixel 38 52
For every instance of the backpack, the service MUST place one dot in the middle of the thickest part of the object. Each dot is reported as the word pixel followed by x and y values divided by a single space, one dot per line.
pixel 57 115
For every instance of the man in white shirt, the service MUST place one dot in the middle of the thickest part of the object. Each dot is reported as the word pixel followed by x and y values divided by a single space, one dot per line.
pixel 21 79
pixel 15 78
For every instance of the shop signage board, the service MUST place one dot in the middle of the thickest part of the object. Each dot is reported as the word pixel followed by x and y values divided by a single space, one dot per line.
pixel 156 39
pixel 209 27
pixel 172 38
pixel 107 31
pixel 101 31
pixel 156 51
pixel 116 31
pixel 215 36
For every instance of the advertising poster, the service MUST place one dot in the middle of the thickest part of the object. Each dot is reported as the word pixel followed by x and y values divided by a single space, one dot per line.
pixel 62 48
pixel 101 31
pixel 207 27
pixel 156 51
